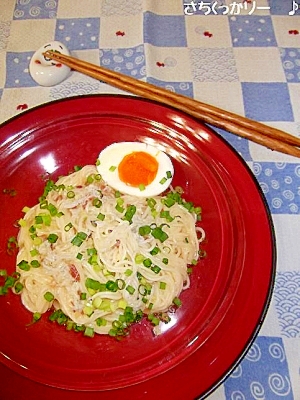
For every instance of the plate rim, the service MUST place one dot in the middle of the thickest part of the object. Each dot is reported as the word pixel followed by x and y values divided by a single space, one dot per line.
pixel 271 228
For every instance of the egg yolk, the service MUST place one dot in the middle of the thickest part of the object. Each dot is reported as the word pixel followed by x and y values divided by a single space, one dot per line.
pixel 138 168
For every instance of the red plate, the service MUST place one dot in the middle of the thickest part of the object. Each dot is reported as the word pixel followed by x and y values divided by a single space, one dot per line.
pixel 230 289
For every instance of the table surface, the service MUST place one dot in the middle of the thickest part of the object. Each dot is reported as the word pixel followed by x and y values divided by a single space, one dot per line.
pixel 240 56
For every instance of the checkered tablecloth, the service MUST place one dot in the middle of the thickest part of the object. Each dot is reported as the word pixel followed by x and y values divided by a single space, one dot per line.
pixel 243 56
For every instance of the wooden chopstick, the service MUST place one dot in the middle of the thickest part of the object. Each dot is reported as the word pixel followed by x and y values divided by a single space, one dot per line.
pixel 274 139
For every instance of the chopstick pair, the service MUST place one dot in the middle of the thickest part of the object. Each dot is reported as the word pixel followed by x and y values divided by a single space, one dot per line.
pixel 273 138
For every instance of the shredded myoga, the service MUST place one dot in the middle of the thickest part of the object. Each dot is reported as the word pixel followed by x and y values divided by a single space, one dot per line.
pixel 98 255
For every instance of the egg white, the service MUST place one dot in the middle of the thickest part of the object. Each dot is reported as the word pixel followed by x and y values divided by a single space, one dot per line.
pixel 113 154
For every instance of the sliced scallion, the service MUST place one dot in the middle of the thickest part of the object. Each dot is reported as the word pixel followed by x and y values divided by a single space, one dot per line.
pixel 130 289
pixel 101 217
pixel 52 238
pixel 48 296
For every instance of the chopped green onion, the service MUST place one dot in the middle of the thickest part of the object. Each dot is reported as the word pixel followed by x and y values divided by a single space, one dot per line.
pixel 23 265
pixel 34 252
pixel 162 285
pixel 37 241
pixel 147 262
pixel 70 194
pixel 44 204
pixel 70 325
pixel 169 202
pixel 35 263
pixel 130 211
pixel 155 251
pixel 36 316
pixel 48 296
pixel 142 187
pixel 166 214
pixel 128 272
pixel 68 227
pixel 52 238
pixel 18 287
pixel 92 251
pixel 90 179
pixel 154 320
pixel 79 328
pixel 119 208
pixel 21 222
pixel 156 269
pixel 159 234
pixel 121 284
pixel 97 203
pixel 101 321
pixel 165 260
pixel 88 310
pixel 111 286
pixel 79 256
pixel 46 220
pixel 130 289
pixel 83 296
pixel 101 217
pixel 169 174
pixel 151 202
pixel 38 219
pixel 144 230
pixel 32 229
pixel 142 290
pixel 79 238
pixel 52 210
pixel 139 258
pixel 177 302
pixel 93 260
pixel 112 168
pixel 92 284
pixel 3 290
pixel 163 180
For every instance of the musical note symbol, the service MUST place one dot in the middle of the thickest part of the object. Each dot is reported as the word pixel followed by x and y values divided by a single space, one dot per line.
pixel 295 8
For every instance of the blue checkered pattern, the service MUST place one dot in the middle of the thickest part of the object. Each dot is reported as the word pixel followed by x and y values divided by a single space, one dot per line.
pixel 248 64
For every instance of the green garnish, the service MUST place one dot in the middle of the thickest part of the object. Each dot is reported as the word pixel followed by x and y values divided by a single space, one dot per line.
pixel 144 230
pixel 48 296
pixel 97 203
pixel 79 238
pixel 130 211
pixel 101 217
pixel 130 289
pixel 52 238
pixel 177 302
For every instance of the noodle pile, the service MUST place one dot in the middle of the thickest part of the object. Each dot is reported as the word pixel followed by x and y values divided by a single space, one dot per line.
pixel 94 253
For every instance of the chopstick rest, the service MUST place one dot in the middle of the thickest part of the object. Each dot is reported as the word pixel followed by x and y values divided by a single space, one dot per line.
pixel 44 70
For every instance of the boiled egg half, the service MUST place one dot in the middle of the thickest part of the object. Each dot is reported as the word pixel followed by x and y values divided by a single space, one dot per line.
pixel 135 168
